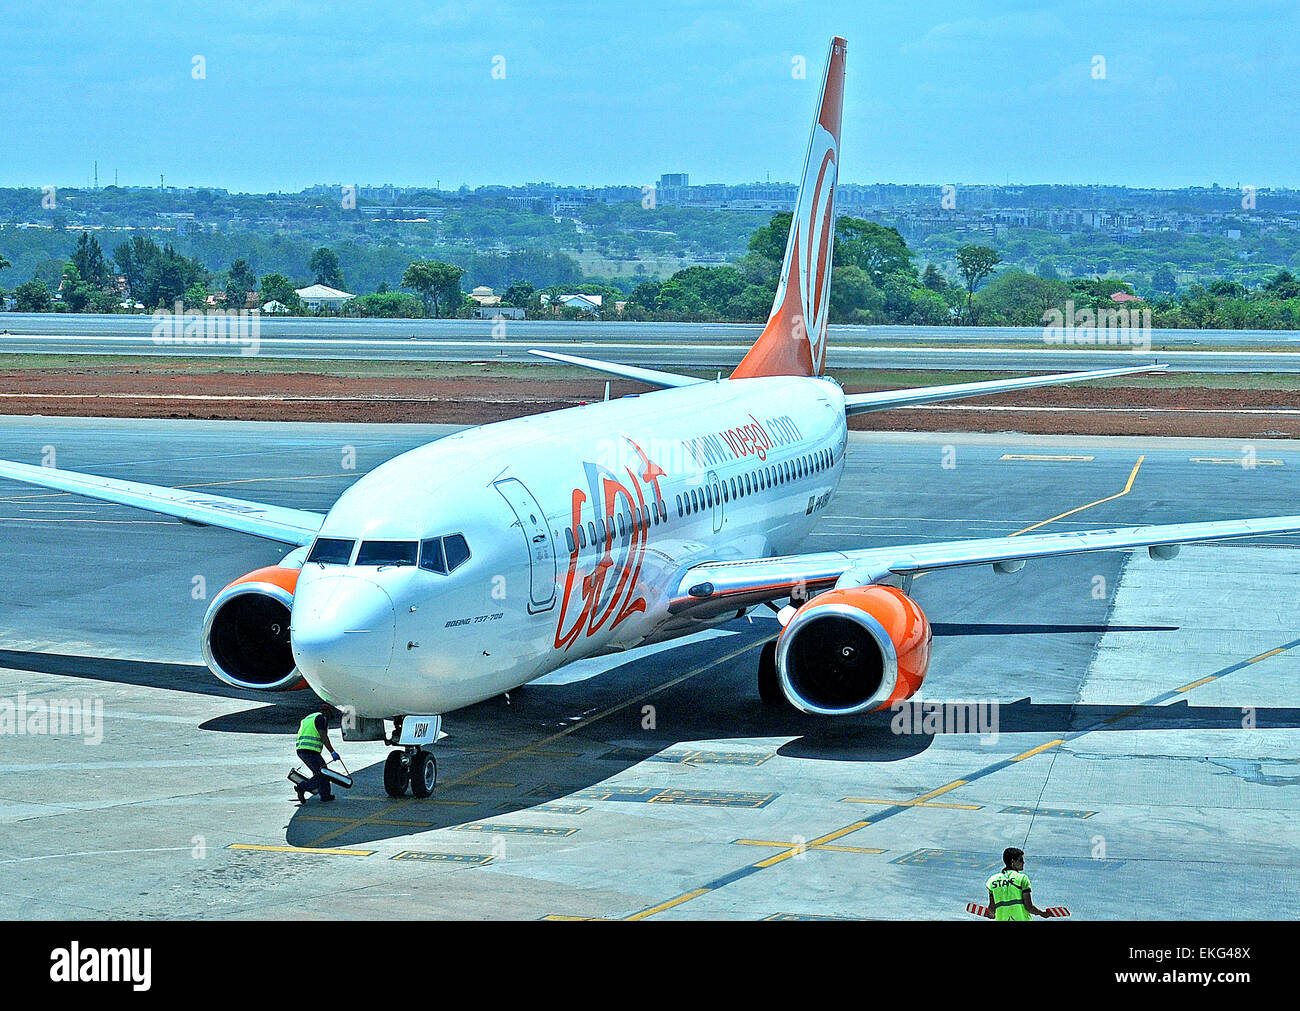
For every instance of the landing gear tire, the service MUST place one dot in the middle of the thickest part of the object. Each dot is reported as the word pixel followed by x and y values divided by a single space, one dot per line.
pixel 396 774
pixel 769 683
pixel 424 773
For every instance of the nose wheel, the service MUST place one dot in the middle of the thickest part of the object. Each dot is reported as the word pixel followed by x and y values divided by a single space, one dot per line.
pixel 414 768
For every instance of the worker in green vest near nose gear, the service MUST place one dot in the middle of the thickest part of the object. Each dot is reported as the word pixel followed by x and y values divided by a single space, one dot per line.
pixel 1009 897
pixel 313 738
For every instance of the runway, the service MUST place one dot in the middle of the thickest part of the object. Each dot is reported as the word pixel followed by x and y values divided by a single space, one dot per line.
pixel 678 352
pixel 1145 753
pixel 127 325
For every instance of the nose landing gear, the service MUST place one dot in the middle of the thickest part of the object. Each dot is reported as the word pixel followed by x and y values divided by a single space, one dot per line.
pixel 410 767
pixel 414 766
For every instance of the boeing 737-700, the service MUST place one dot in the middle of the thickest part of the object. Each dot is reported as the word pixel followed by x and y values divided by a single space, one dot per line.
pixel 480 562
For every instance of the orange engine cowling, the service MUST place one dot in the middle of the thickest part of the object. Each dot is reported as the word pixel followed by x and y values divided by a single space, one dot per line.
pixel 246 632
pixel 849 650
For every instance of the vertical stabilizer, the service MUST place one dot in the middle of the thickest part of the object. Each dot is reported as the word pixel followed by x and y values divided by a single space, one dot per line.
pixel 794 341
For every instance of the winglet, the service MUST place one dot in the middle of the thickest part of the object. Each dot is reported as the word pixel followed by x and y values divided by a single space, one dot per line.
pixel 794 341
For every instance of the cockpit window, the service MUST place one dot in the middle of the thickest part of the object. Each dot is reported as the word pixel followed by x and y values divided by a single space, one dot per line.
pixel 457 551
pixel 387 553
pixel 331 551
pixel 443 554
pixel 431 556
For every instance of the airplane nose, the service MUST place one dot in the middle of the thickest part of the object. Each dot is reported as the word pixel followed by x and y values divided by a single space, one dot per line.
pixel 341 625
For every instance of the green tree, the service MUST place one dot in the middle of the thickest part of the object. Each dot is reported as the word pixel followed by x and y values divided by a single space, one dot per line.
pixel 975 263
pixel 769 240
pixel 518 294
pixel 89 261
pixel 385 305
pixel 33 296
pixel 278 288
pixel 325 265
pixel 74 289
pixel 239 282
pixel 933 279
pixel 878 249
pixel 438 284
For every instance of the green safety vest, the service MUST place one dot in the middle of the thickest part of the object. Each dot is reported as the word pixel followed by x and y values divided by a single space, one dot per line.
pixel 1008 889
pixel 309 738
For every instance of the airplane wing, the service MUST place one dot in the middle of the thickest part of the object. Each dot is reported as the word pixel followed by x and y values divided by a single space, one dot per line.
pixel 273 523
pixel 651 377
pixel 716 587
pixel 861 403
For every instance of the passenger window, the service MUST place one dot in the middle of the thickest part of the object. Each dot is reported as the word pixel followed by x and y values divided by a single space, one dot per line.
pixel 622 526
pixel 387 553
pixel 331 551
pixel 591 533
pixel 568 536
pixel 457 551
pixel 582 537
pixel 431 558
pixel 600 531
pixel 680 510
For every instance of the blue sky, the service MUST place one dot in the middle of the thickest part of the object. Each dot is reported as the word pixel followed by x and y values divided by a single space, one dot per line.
pixel 301 93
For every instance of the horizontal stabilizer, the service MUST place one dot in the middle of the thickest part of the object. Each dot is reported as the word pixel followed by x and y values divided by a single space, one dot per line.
pixel 651 377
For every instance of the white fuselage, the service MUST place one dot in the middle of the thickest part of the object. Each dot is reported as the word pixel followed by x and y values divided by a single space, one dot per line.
pixel 742 469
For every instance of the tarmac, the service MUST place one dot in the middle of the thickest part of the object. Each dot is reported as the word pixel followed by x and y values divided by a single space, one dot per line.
pixel 1133 723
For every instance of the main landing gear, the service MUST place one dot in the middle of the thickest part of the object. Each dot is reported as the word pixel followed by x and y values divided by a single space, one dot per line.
pixel 414 766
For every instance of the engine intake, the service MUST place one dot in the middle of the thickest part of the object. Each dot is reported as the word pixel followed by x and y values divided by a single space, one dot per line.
pixel 246 632
pixel 853 649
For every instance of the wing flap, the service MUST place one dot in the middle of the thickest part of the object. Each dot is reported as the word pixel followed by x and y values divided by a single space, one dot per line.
pixel 272 523
pixel 717 587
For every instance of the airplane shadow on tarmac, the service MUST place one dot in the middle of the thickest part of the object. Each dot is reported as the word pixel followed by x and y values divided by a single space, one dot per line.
pixel 720 705
pixel 557 740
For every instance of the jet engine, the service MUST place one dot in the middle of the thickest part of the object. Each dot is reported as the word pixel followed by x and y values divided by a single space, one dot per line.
pixel 853 649
pixel 246 631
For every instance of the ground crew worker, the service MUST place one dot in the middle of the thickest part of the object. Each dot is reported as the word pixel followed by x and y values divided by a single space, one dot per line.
pixel 1009 897
pixel 313 738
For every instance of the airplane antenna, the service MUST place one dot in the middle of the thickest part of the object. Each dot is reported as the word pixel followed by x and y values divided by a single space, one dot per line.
pixel 607 392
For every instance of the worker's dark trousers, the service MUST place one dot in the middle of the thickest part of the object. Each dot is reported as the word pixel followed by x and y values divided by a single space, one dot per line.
pixel 315 761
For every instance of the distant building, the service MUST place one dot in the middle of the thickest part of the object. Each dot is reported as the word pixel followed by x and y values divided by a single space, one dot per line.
pixel 1124 296
pixel 579 301
pixel 498 312
pixel 274 307
pixel 484 295
pixel 316 296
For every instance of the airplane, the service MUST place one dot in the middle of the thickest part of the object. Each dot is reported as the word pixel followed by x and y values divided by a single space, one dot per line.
pixel 470 566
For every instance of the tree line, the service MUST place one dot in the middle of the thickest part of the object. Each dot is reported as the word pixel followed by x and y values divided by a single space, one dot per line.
pixel 876 280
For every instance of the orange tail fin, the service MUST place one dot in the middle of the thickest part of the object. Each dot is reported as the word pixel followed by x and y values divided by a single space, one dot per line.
pixel 794 341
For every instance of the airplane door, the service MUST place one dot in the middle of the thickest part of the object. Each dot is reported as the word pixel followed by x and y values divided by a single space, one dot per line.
pixel 715 484
pixel 541 549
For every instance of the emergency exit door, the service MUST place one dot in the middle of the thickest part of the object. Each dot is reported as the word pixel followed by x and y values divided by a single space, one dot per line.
pixel 715 492
pixel 531 521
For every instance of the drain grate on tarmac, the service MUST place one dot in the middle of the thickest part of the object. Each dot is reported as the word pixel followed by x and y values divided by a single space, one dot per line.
pixel 653 795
